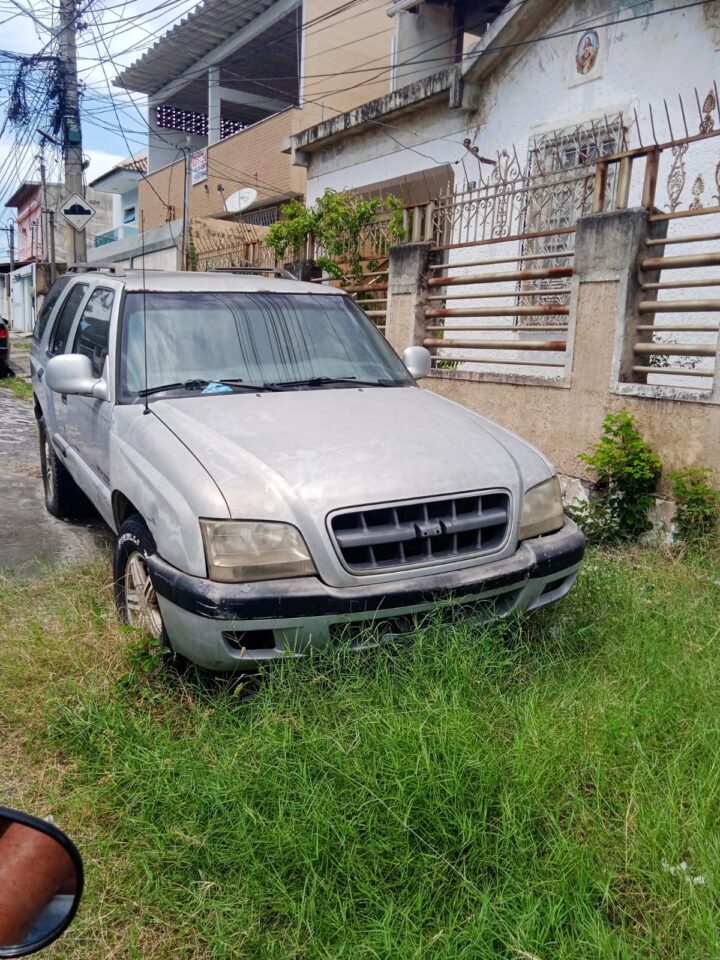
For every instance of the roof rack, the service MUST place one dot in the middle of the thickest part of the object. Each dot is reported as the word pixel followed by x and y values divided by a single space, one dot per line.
pixel 277 272
pixel 98 266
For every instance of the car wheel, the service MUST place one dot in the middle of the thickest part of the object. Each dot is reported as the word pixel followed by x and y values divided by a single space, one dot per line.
pixel 63 497
pixel 135 595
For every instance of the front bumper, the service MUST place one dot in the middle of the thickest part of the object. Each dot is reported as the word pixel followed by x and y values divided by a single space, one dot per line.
pixel 228 626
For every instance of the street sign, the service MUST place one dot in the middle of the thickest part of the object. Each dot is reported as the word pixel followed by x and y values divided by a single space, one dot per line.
pixel 77 211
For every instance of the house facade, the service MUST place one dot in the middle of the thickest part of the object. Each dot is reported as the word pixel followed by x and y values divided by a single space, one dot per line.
pixel 230 84
pixel 121 183
pixel 34 225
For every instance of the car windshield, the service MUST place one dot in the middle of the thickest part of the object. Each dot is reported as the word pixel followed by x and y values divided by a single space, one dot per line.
pixel 282 341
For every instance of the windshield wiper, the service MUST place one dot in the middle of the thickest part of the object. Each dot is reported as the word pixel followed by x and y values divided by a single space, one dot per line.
pixel 186 385
pixel 321 381
pixel 201 384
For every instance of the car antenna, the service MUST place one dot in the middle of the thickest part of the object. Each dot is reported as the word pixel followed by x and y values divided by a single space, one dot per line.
pixel 144 293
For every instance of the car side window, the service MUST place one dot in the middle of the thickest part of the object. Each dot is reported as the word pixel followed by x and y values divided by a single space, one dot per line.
pixel 64 320
pixel 54 294
pixel 93 332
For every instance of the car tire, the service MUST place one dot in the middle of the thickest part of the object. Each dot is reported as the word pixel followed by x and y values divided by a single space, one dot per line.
pixel 135 595
pixel 63 498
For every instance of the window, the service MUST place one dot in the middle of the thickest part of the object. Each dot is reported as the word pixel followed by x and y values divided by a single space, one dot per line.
pixel 93 332
pixel 561 174
pixel 129 215
pixel 64 320
pixel 47 308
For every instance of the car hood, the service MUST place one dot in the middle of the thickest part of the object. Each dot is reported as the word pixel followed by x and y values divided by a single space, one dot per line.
pixel 280 455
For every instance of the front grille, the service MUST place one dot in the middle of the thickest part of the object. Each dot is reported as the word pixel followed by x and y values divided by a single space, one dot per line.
pixel 411 534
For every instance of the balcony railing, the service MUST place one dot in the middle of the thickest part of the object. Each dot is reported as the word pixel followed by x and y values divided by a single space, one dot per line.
pixel 118 233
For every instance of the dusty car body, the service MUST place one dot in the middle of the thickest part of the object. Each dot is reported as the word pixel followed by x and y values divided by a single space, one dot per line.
pixel 260 513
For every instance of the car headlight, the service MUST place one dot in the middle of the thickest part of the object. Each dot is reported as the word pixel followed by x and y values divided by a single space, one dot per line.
pixel 244 550
pixel 542 510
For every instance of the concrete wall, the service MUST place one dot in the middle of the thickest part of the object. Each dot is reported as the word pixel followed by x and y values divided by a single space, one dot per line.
pixel 565 418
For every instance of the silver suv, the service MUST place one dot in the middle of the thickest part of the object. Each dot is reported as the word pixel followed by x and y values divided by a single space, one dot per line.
pixel 276 479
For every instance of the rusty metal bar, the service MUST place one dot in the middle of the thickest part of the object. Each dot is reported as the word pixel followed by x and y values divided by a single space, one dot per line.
pixel 599 186
pixel 695 238
pixel 555 292
pixel 546 274
pixel 548 310
pixel 677 349
pixel 553 346
pixel 680 284
pixel 679 327
pixel 623 183
pixel 678 306
pixel 681 214
pixel 677 263
pixel 513 363
pixel 673 371
pixel 561 231
pixel 652 165
pixel 498 327
pixel 524 256
pixel 375 286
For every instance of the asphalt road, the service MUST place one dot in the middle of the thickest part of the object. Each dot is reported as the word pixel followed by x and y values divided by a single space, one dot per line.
pixel 31 541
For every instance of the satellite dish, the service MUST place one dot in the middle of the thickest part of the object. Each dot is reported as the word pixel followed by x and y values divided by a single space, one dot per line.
pixel 240 200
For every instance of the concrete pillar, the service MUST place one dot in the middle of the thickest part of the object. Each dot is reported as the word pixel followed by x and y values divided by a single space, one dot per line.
pixel 214 127
pixel 407 295
pixel 608 250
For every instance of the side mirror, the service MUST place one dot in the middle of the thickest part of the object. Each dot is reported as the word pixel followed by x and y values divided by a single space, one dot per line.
pixel 73 373
pixel 41 881
pixel 418 362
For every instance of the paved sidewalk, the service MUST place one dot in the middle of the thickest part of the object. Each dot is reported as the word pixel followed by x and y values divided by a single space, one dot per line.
pixel 30 539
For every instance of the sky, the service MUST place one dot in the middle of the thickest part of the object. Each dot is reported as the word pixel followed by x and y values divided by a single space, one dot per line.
pixel 116 34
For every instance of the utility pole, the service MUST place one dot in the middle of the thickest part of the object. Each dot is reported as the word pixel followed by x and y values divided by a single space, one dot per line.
pixel 186 211
pixel 72 133
pixel 48 222
pixel 11 250
pixel 44 203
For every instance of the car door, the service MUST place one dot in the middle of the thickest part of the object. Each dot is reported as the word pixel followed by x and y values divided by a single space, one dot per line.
pixel 54 405
pixel 88 418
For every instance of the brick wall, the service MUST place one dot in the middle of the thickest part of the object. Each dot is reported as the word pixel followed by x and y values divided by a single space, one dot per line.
pixel 252 158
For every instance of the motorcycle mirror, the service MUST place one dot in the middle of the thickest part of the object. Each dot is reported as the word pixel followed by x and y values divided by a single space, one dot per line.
pixel 41 881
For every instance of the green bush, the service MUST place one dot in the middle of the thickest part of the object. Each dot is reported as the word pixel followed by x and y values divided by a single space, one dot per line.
pixel 627 472
pixel 697 513
pixel 336 221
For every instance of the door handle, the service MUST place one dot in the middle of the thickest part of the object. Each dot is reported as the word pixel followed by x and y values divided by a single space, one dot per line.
pixel 63 397
pixel 41 373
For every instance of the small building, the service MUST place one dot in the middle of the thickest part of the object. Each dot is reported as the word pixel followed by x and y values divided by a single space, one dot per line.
pixel 121 182
pixel 34 243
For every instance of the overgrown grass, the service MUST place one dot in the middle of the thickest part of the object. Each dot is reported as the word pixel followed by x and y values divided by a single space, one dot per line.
pixel 18 386
pixel 524 792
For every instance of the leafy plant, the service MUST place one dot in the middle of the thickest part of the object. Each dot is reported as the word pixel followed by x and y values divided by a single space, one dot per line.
pixel 336 222
pixel 697 513
pixel 627 472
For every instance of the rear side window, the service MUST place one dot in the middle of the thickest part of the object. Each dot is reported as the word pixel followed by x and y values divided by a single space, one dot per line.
pixel 47 308
pixel 93 332
pixel 64 320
